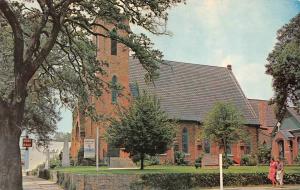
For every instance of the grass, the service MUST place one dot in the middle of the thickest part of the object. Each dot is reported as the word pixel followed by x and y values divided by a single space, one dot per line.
pixel 172 169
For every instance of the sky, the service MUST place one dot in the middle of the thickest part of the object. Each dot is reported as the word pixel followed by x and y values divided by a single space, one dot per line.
pixel 220 32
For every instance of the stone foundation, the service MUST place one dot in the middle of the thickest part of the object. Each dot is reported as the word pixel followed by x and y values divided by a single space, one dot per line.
pixel 93 182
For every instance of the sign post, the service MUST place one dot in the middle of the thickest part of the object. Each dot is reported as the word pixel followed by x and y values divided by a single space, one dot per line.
pixel 97 149
pixel 221 171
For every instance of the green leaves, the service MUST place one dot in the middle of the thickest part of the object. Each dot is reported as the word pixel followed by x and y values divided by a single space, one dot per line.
pixel 284 67
pixel 58 66
pixel 223 124
pixel 143 129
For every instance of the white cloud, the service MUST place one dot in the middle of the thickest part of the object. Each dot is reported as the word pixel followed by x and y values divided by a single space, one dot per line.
pixel 251 76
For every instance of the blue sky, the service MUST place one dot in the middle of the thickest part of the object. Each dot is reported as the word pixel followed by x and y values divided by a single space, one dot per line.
pixel 221 32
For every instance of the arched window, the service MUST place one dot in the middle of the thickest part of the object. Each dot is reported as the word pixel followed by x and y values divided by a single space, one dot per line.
pixel 114 44
pixel 134 90
pixel 185 140
pixel 206 146
pixel 114 91
pixel 281 149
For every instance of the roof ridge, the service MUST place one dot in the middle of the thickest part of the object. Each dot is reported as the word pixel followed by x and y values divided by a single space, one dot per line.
pixel 221 67
pixel 173 61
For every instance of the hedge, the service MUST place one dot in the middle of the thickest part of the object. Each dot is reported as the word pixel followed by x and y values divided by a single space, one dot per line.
pixel 172 181
pixel 44 174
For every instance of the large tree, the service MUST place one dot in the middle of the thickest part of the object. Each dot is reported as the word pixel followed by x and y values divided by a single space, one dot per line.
pixel 56 53
pixel 224 125
pixel 41 109
pixel 143 129
pixel 284 67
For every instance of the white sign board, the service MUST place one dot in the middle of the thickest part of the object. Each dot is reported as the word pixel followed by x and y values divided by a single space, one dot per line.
pixel 89 148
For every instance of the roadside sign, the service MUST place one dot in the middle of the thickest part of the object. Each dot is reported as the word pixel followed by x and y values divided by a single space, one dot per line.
pixel 89 148
pixel 27 142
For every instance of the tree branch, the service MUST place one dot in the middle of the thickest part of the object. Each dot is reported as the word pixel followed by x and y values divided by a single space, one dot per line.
pixel 58 19
pixel 17 32
pixel 35 38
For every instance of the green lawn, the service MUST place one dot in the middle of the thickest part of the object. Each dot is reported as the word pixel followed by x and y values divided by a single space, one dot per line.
pixel 173 169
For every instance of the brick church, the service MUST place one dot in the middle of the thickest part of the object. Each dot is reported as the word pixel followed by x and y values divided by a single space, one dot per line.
pixel 186 91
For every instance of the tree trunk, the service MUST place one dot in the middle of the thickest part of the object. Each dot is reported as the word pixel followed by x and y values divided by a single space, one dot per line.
pixel 225 153
pixel 10 158
pixel 142 161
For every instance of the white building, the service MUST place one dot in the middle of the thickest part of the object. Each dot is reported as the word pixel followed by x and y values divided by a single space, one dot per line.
pixel 35 155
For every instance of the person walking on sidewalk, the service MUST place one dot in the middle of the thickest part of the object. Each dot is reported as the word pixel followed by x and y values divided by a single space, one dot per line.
pixel 280 172
pixel 272 171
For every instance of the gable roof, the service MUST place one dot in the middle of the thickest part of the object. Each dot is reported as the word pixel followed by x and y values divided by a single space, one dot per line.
pixel 189 91
pixel 294 113
pixel 286 134
pixel 265 112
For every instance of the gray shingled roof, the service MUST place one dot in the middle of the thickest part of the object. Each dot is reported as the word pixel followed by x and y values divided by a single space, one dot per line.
pixel 268 114
pixel 188 91
pixel 286 134
pixel 294 113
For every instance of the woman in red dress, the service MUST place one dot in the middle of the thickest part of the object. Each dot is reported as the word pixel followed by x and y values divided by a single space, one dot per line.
pixel 272 171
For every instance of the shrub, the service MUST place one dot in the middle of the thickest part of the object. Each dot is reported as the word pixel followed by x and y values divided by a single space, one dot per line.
pixel 297 159
pixel 264 154
pixel 170 181
pixel 249 160
pixel 135 158
pixel 198 162
pixel 253 160
pixel 54 162
pixel 245 160
pixel 179 158
pixel 44 174
pixel 227 162
pixel 149 160
pixel 152 160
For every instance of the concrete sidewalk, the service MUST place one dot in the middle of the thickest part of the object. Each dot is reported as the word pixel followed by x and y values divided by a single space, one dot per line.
pixel 35 183
pixel 286 187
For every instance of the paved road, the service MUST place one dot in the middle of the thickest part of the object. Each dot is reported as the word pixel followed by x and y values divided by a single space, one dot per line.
pixel 34 183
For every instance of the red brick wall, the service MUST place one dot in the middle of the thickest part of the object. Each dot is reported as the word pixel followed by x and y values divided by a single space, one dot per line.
pixel 290 152
pixel 196 148
pixel 118 66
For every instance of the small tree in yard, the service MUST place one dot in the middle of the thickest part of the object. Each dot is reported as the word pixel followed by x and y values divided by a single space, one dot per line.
pixel 264 154
pixel 143 129
pixel 223 125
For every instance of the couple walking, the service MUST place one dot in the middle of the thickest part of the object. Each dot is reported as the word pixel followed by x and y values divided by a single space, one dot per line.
pixel 276 172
